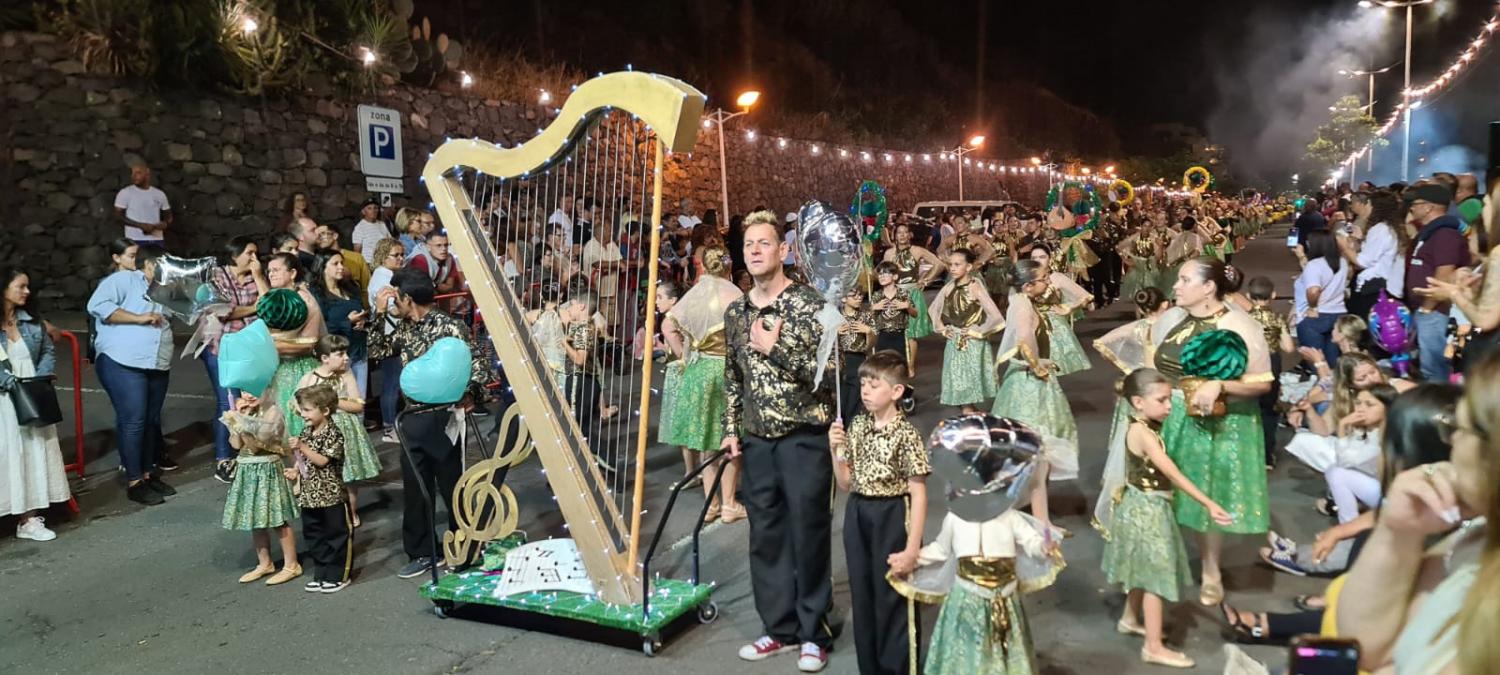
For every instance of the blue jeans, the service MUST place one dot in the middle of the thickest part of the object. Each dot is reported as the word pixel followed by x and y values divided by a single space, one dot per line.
pixel 1432 338
pixel 1318 333
pixel 137 395
pixel 223 398
pixel 390 390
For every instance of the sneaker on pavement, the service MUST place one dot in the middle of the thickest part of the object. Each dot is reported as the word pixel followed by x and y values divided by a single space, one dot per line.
pixel 389 436
pixel 224 471
pixel 313 587
pixel 35 530
pixel 160 486
pixel 813 658
pixel 166 463
pixel 333 586
pixel 1280 543
pixel 141 493
pixel 416 567
pixel 764 648
pixel 1285 561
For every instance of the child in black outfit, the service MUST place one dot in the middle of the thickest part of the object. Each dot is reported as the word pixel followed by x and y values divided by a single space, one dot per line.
pixel 882 462
pixel 1279 338
pixel 856 338
pixel 320 494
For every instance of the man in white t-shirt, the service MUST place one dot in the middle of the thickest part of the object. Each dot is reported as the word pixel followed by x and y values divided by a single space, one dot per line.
pixel 601 260
pixel 563 215
pixel 369 230
pixel 142 209
pixel 686 221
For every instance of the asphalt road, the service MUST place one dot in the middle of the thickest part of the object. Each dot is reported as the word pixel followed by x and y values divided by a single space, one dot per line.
pixel 126 588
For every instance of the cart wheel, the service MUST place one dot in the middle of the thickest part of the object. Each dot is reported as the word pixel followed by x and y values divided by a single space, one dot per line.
pixel 708 611
pixel 651 644
pixel 441 608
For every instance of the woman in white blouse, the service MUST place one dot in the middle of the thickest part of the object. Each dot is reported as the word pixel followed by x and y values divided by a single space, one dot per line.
pixel 1376 250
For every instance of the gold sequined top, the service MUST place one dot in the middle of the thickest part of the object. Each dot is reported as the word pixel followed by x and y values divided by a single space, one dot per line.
pixel 581 337
pixel 851 340
pixel 882 460
pixel 890 319
pixel 1169 353
pixel 1144 248
pixel 712 344
pixel 771 395
pixel 322 486
pixel 960 309
pixel 1143 475
pixel 1272 323
pixel 907 267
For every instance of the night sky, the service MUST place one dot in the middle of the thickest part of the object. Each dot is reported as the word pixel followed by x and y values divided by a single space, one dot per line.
pixel 1256 75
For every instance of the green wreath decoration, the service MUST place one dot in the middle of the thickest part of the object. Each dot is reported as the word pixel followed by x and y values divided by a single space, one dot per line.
pixel 870 209
pixel 1085 212
pixel 1122 192
pixel 1197 179
pixel 1216 355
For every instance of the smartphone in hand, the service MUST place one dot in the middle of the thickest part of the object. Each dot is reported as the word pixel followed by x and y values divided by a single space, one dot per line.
pixel 1316 655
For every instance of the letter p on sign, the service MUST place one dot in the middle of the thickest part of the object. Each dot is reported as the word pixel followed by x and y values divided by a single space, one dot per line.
pixel 382 142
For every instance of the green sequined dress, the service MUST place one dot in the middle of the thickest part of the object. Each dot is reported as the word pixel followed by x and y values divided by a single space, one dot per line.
pixel 1066 351
pixel 284 383
pixel 1144 550
pixel 1145 272
pixel 963 642
pixel 968 363
pixel 908 273
pixel 1223 456
pixel 1041 403
pixel 696 421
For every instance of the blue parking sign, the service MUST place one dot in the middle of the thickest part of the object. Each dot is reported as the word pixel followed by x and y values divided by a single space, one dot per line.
pixel 379 142
pixel 382 142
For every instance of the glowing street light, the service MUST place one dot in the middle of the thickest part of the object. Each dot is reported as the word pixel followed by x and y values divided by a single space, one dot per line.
pixel 976 141
pixel 1036 161
pixel 1406 85
pixel 745 101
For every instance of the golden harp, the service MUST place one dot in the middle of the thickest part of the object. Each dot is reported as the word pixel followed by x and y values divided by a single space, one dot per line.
pixel 607 145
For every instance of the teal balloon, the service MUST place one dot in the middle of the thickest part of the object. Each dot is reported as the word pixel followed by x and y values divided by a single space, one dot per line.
pixel 247 359
pixel 440 375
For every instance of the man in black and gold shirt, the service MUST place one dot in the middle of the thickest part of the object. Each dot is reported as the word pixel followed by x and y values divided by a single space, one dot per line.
pixel 436 459
pixel 777 424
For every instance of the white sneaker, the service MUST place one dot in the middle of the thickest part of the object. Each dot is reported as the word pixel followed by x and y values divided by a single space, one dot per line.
pixel 34 530
pixel 813 658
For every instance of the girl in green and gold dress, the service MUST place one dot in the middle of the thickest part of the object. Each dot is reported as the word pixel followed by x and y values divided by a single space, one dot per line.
pixel 909 260
pixel 1143 552
pixel 295 321
pixel 964 314
pixel 1029 392
pixel 1223 454
pixel 671 337
pixel 695 422
pixel 360 460
pixel 1142 253
pixel 1062 303
pixel 260 497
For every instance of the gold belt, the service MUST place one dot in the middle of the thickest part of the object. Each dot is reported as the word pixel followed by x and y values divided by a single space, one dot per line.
pixel 992 574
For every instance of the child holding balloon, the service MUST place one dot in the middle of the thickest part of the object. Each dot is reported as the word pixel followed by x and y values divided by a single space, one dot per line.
pixel 360 460
pixel 260 498
pixel 1144 552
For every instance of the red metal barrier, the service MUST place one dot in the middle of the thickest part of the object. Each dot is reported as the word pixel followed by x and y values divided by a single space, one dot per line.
pixel 78 462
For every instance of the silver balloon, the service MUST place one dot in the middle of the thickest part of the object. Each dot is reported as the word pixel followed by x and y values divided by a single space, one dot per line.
pixel 181 286
pixel 828 249
pixel 988 462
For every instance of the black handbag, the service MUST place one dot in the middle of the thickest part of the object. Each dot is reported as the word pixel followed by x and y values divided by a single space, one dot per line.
pixel 35 401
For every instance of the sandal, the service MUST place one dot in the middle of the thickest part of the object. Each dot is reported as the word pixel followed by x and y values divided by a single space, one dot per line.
pixel 1245 634
pixel 712 515
pixel 1305 603
pixel 256 573
pixel 732 514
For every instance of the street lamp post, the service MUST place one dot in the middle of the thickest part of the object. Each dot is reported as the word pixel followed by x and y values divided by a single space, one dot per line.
pixel 1406 106
pixel 1369 104
pixel 718 118
pixel 958 155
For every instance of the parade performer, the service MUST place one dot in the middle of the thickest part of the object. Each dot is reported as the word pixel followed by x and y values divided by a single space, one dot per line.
pixel 1062 303
pixel 320 490
pixel 1142 253
pixel 1073 212
pixel 909 259
pixel 893 311
pixel 972 238
pixel 856 340
pixel 1185 244
pixel 671 339
pixel 296 323
pixel 1214 431
pixel 777 421
pixel 1144 554
pixel 1128 347
pixel 360 461
pixel 695 420
pixel 882 463
pixel 260 497
pixel 1029 391
pixel 964 314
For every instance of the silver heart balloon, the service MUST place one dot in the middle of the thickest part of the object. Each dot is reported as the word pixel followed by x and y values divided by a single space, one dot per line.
pixel 988 462
pixel 828 249
pixel 181 286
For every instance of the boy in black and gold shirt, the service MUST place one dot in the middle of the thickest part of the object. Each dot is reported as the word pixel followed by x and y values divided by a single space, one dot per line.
pixel 856 339
pixel 882 462
pixel 325 514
